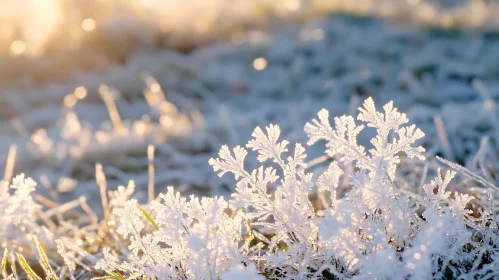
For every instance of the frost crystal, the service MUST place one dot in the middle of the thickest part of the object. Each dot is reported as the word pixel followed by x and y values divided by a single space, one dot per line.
pixel 195 239
pixel 19 211
pixel 281 226
pixel 373 229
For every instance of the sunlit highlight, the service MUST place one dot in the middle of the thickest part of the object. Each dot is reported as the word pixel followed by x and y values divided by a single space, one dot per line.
pixel 31 27
pixel 88 24
pixel 70 100
pixel 80 92
pixel 18 47
pixel 260 63
pixel 292 5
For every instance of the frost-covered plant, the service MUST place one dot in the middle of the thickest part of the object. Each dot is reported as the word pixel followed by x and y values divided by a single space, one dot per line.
pixel 19 212
pixel 192 239
pixel 392 230
pixel 279 225
pixel 286 217
pixel 373 230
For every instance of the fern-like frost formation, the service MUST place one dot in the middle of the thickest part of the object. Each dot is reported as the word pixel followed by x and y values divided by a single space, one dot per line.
pixel 345 217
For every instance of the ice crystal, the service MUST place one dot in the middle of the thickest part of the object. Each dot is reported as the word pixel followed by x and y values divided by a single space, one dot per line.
pixel 279 225
pixel 196 239
pixel 19 211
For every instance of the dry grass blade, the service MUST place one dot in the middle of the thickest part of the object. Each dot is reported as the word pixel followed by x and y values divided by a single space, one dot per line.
pixel 107 96
pixel 11 159
pixel 468 173
pixel 44 260
pixel 29 271
pixel 4 263
pixel 150 168
pixel 102 183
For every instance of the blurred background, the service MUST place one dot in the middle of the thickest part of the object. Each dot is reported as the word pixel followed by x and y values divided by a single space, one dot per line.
pixel 97 81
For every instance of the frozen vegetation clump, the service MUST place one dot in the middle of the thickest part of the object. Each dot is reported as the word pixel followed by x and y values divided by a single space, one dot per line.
pixel 293 219
pixel 192 239
pixel 18 210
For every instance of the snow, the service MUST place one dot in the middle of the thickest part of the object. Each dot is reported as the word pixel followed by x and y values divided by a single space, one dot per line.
pixel 243 273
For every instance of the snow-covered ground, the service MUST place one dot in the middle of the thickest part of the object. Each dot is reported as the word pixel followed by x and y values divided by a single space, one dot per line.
pixel 446 79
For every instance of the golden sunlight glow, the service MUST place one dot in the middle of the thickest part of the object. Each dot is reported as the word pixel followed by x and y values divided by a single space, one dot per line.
pixel 64 25
pixel 292 5
pixel 18 47
pixel 36 21
pixel 148 3
pixel 88 24
pixel 260 63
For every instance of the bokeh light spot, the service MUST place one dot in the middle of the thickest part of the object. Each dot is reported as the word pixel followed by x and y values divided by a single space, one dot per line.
pixel 18 47
pixel 70 100
pixel 80 92
pixel 260 63
pixel 88 24
pixel 293 5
